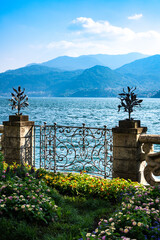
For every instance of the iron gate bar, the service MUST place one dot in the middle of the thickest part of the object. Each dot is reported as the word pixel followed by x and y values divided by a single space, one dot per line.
pixel 74 148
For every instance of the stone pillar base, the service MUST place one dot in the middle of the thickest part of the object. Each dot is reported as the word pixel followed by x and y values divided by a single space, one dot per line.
pixel 18 140
pixel 127 150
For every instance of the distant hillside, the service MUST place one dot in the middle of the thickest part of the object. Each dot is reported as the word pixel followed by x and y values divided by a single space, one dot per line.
pixel 72 63
pixel 157 95
pixel 32 70
pixel 116 61
pixel 88 61
pixel 44 81
pixel 146 71
pixel 145 66
pixel 97 81
pixel 36 79
pixel 100 77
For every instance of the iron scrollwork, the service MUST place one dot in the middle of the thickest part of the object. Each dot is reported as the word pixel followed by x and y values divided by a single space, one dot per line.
pixel 69 148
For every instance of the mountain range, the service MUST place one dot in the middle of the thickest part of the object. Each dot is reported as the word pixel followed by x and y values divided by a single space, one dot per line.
pixel 88 61
pixel 48 79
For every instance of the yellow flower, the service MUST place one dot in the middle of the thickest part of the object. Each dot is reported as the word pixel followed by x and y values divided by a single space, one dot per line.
pixel 125 230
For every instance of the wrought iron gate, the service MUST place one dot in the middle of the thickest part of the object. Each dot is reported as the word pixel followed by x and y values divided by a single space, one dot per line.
pixel 70 148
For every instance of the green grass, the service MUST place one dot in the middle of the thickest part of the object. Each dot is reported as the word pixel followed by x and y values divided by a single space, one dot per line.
pixel 79 215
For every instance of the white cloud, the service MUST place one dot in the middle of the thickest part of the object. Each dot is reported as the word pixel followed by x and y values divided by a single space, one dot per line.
pixel 135 17
pixel 93 37
pixel 104 28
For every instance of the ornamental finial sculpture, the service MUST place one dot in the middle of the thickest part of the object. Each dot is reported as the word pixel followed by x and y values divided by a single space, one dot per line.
pixel 129 101
pixel 18 100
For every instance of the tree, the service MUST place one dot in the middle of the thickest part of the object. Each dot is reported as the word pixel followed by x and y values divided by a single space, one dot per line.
pixel 18 100
pixel 129 101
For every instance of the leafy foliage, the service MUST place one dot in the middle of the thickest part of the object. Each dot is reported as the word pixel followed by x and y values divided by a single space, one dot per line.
pixel 18 100
pixel 129 101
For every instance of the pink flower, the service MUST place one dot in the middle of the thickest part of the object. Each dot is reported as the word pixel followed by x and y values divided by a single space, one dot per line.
pixel 10 197
pixel 104 238
pixel 111 219
pixel 3 176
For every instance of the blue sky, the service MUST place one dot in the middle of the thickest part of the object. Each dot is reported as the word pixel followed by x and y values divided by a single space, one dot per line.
pixel 34 31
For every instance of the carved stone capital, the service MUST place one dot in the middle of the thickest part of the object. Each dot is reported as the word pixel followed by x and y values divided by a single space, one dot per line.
pixel 147 148
pixel 153 167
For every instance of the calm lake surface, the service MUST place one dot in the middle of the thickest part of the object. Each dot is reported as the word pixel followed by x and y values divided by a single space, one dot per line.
pixel 94 112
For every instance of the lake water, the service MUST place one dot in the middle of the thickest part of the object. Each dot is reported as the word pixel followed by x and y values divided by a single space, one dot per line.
pixel 94 112
pixel 91 111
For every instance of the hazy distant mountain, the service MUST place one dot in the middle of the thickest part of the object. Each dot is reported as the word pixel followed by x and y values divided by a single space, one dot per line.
pixel 157 95
pixel 44 81
pixel 88 61
pixel 146 71
pixel 36 79
pixel 72 63
pixel 97 81
pixel 145 66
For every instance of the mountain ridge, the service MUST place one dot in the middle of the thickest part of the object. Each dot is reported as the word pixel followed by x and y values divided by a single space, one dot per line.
pixel 88 61
pixel 96 81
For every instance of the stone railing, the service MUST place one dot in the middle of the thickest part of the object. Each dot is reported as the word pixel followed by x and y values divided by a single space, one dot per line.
pixel 152 158
pixel 1 136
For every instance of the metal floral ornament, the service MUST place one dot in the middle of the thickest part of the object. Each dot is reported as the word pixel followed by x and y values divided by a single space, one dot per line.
pixel 18 100
pixel 129 101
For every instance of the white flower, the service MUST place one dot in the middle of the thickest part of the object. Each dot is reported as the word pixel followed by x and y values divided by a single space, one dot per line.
pixel 88 234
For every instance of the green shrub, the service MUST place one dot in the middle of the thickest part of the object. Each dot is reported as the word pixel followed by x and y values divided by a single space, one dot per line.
pixel 27 198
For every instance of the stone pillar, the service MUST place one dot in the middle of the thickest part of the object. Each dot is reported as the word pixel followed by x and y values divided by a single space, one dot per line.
pixel 18 140
pixel 127 150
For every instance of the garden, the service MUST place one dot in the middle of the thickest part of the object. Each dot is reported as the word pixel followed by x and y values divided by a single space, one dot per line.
pixel 36 204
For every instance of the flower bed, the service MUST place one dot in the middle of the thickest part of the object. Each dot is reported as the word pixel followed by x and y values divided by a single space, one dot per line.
pixel 138 217
pixel 83 184
pixel 23 196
